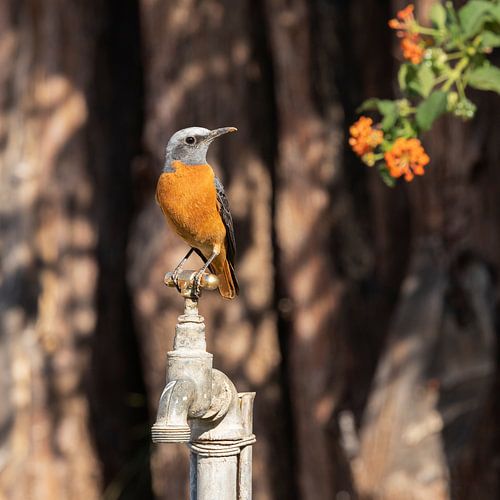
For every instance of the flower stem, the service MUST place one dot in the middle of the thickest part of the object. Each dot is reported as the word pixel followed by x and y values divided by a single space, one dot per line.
pixel 461 88
pixel 426 31
pixel 441 79
pixel 456 73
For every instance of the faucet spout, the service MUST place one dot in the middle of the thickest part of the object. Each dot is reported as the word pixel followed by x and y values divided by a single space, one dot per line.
pixel 188 393
pixel 171 422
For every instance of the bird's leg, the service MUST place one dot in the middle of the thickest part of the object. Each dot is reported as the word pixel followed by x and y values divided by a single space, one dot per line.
pixel 199 274
pixel 178 269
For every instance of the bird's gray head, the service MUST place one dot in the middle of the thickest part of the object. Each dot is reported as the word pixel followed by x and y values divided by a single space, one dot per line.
pixel 190 145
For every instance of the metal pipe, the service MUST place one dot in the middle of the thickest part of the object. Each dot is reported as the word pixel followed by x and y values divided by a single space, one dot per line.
pixel 216 441
pixel 216 478
pixel 200 405
pixel 245 458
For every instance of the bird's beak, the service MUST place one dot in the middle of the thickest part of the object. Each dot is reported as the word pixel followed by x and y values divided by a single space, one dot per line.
pixel 220 131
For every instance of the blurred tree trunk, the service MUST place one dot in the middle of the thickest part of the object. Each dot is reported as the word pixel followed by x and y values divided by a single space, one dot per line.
pixel 336 280
pixel 207 64
pixel 437 371
pixel 367 317
pixel 310 290
pixel 48 270
pixel 435 376
pixel 119 411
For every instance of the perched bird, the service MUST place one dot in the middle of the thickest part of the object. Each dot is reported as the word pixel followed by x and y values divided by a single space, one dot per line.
pixel 193 201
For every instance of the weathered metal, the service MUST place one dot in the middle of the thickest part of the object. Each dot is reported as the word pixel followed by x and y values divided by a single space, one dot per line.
pixel 201 406
pixel 185 280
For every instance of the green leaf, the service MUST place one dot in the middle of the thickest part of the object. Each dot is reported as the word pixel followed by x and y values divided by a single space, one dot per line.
pixel 485 78
pixel 438 15
pixel 495 12
pixel 430 109
pixel 473 15
pixel 425 79
pixel 402 74
pixel 408 79
pixel 414 85
pixel 453 25
pixel 419 81
pixel 389 110
pixel 386 177
pixel 368 105
pixel 490 39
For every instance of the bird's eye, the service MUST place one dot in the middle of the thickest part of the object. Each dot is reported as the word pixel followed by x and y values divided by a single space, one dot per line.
pixel 190 140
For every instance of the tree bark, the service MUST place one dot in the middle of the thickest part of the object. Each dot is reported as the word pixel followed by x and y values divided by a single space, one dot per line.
pixel 435 376
pixel 207 64
pixel 48 270
pixel 367 320
pixel 312 206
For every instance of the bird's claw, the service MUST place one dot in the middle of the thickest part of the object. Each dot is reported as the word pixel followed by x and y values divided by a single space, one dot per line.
pixel 175 278
pixel 196 291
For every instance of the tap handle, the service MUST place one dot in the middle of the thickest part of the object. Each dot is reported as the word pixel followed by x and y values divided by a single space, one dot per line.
pixel 185 281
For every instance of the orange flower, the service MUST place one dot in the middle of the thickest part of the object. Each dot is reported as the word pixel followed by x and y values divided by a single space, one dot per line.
pixel 412 49
pixel 411 43
pixel 406 13
pixel 404 19
pixel 406 157
pixel 364 138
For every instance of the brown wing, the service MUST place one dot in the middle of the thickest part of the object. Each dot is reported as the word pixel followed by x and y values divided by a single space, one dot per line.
pixel 225 213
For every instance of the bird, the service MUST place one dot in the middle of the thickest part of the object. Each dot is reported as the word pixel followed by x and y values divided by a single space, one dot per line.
pixel 196 207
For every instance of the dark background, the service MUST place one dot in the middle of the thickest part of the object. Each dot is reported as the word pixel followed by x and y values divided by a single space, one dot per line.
pixel 368 317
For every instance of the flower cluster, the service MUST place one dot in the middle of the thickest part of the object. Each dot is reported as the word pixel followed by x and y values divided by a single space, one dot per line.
pixel 406 157
pixel 412 44
pixel 405 20
pixel 440 62
pixel 364 138
pixel 413 49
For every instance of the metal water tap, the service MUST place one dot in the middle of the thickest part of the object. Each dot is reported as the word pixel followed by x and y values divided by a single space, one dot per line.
pixel 200 406
pixel 188 393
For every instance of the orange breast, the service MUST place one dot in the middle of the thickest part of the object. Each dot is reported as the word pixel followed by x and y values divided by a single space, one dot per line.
pixel 189 201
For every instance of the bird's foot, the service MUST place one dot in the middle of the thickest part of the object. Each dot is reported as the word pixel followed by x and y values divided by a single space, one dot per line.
pixel 196 290
pixel 175 278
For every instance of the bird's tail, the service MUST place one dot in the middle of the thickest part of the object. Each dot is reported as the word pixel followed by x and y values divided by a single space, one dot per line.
pixel 224 270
